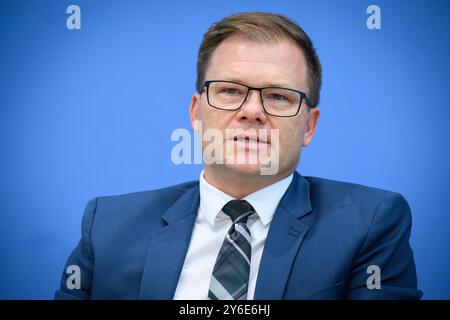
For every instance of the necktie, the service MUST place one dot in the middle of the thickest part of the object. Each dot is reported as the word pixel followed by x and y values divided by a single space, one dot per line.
pixel 229 280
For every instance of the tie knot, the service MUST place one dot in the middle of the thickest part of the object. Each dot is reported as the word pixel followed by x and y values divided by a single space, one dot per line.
pixel 238 210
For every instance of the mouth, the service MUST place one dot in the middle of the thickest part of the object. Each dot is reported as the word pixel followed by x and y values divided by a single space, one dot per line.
pixel 249 139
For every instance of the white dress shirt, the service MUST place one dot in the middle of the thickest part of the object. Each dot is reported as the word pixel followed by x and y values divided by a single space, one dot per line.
pixel 211 226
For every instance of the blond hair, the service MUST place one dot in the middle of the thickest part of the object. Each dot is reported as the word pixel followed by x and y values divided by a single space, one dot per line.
pixel 265 28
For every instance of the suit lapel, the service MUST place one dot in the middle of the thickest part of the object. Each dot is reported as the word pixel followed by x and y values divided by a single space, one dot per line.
pixel 168 248
pixel 286 233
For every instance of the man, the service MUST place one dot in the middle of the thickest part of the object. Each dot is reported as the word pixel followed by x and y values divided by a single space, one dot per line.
pixel 240 232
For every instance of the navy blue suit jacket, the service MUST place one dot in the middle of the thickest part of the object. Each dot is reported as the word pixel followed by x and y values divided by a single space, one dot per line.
pixel 323 237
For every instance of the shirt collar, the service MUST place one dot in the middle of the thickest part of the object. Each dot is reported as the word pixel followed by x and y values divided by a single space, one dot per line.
pixel 265 201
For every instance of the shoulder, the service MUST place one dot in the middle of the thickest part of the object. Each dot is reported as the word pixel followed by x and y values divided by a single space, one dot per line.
pixel 337 193
pixel 137 204
pixel 367 204
pixel 158 196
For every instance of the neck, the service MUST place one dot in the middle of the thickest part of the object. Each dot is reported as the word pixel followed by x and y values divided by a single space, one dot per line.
pixel 237 184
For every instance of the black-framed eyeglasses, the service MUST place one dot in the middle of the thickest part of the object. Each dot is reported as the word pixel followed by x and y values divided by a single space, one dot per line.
pixel 276 101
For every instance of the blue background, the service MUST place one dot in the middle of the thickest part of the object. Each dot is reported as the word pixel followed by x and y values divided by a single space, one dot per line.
pixel 90 112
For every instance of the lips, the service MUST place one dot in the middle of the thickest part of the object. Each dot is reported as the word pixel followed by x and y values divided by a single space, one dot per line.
pixel 247 138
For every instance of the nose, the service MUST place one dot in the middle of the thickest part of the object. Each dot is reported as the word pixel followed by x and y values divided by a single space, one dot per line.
pixel 252 110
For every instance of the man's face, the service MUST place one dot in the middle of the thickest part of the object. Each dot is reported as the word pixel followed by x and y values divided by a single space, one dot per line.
pixel 280 64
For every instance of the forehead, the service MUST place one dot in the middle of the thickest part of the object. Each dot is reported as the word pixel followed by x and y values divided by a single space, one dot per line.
pixel 280 63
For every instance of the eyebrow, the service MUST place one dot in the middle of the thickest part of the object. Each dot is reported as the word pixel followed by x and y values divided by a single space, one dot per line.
pixel 272 84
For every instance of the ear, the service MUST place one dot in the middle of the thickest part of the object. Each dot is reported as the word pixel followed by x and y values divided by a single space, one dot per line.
pixel 311 124
pixel 194 112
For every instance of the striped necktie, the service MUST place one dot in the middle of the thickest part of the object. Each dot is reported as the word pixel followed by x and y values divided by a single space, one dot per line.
pixel 229 280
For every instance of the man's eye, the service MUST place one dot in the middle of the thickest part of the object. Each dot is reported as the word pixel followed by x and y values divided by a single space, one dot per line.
pixel 231 90
pixel 276 96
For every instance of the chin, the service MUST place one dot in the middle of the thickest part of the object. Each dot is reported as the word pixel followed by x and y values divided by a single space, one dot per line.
pixel 248 170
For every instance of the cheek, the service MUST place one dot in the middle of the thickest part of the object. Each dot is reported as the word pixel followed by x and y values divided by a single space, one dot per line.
pixel 291 136
pixel 205 115
pixel 211 121
pixel 215 119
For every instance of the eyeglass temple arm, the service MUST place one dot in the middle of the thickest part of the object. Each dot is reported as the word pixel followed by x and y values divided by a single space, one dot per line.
pixel 308 102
